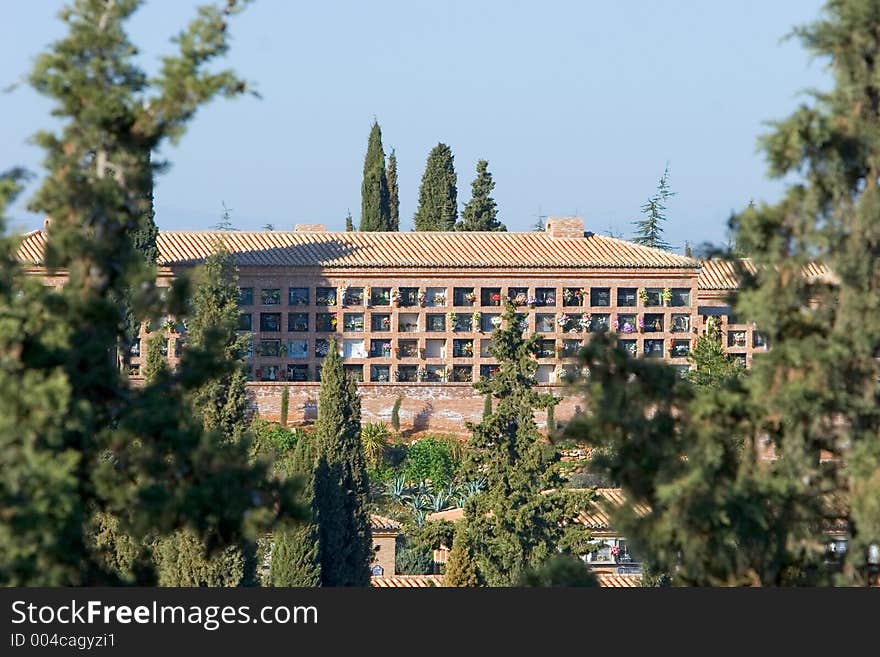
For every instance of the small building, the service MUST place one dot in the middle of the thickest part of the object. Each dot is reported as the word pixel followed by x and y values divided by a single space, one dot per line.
pixel 385 532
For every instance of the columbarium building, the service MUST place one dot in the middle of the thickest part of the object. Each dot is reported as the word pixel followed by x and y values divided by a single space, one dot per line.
pixel 413 312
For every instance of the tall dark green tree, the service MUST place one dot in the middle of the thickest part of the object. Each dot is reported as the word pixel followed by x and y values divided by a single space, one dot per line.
pixel 375 204
pixel 349 224
pixel 393 193
pixel 213 324
pixel 438 192
pixel 341 485
pixel 522 517
pixel 649 230
pixel 481 212
pixel 295 559
pixel 134 455
pixel 712 365
pixel 155 363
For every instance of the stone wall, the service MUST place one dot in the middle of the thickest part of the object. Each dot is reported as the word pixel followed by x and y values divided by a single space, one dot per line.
pixel 425 406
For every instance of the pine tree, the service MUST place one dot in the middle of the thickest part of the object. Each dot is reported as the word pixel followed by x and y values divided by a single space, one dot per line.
pixel 349 224
pixel 295 560
pixel 393 193
pixel 341 486
pixel 89 443
pixel 213 323
pixel 712 366
pixel 521 517
pixel 481 212
pixel 487 406
pixel 438 204
pixel 375 209
pixel 462 568
pixel 650 229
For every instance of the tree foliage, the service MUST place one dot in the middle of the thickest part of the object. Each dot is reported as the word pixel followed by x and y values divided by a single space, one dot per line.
pixel 650 228
pixel 393 193
pixel 712 365
pixel 77 440
pixel 341 485
pixel 438 192
pixel 523 515
pixel 481 212
pixel 375 208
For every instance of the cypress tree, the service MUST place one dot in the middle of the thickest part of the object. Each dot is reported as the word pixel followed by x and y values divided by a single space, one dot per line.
pixel 285 405
pixel 462 568
pixel 97 454
pixel 375 209
pixel 650 229
pixel 155 363
pixel 393 193
pixel 349 224
pixel 341 486
pixel 551 418
pixel 522 516
pixel 295 560
pixel 395 414
pixel 438 204
pixel 481 212
pixel 213 323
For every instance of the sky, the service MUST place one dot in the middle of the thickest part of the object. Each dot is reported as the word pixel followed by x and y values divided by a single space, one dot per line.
pixel 577 105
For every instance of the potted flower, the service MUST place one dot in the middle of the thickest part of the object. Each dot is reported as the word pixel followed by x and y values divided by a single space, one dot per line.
pixel 421 297
pixel 615 324
pixel 395 296
pixel 561 374
pixel 666 296
pixel 643 295
pixel 439 299
pixel 333 322
pixel 550 300
pixel 478 325
pixel 386 323
pixel 368 297
pixel 566 295
pixel 563 320
pixel 531 301
pixel 641 323
pixel 471 296
pixel 496 321
pixel 520 299
pixel 452 317
pixel 496 299
pixel 169 325
pixel 343 291
pixel 386 350
pixel 584 323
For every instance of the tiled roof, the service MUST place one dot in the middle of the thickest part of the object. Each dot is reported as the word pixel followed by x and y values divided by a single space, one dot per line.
pixel 613 580
pixel 598 517
pixel 381 523
pixel 716 274
pixel 406 249
pixel 452 515
pixel 406 581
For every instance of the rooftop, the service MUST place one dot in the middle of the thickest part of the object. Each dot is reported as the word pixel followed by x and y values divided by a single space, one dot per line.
pixel 312 247
pixel 717 274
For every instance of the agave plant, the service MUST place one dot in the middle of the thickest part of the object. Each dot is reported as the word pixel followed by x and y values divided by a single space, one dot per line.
pixel 419 502
pixel 419 517
pixel 439 501
pixel 469 489
pixel 397 489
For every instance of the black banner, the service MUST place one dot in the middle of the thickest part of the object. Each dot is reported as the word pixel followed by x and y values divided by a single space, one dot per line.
pixel 153 621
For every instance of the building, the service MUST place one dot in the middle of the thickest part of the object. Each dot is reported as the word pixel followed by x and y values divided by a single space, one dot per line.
pixel 384 532
pixel 413 312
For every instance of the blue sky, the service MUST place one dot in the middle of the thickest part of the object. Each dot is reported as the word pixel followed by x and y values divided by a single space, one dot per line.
pixel 578 106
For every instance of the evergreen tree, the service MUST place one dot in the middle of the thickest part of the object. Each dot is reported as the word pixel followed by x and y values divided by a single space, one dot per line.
pixel 285 405
pixel 560 570
pixel 295 560
pixel 83 443
pixel 182 560
pixel 341 486
pixel 650 229
pixel 481 212
pixel 395 414
pixel 155 363
pixel 438 204
pixel 213 323
pixel 520 518
pixel 462 568
pixel 393 193
pixel 487 406
pixel 712 366
pixel 349 224
pixel 375 209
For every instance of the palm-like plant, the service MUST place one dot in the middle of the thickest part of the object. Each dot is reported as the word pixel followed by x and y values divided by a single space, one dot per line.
pixel 374 439
pixel 439 501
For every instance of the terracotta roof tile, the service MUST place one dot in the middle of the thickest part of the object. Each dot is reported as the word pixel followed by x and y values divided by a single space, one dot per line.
pixel 598 516
pixel 382 523
pixel 613 580
pixel 406 581
pixel 406 249
pixel 452 515
pixel 716 274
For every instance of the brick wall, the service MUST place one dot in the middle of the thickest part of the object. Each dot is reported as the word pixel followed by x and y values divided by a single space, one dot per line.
pixel 384 546
pixel 425 407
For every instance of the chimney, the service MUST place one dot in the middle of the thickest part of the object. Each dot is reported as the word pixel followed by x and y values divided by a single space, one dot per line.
pixel 310 228
pixel 565 227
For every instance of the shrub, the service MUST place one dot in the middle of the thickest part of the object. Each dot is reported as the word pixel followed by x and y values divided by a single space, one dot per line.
pixel 374 439
pixel 429 459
